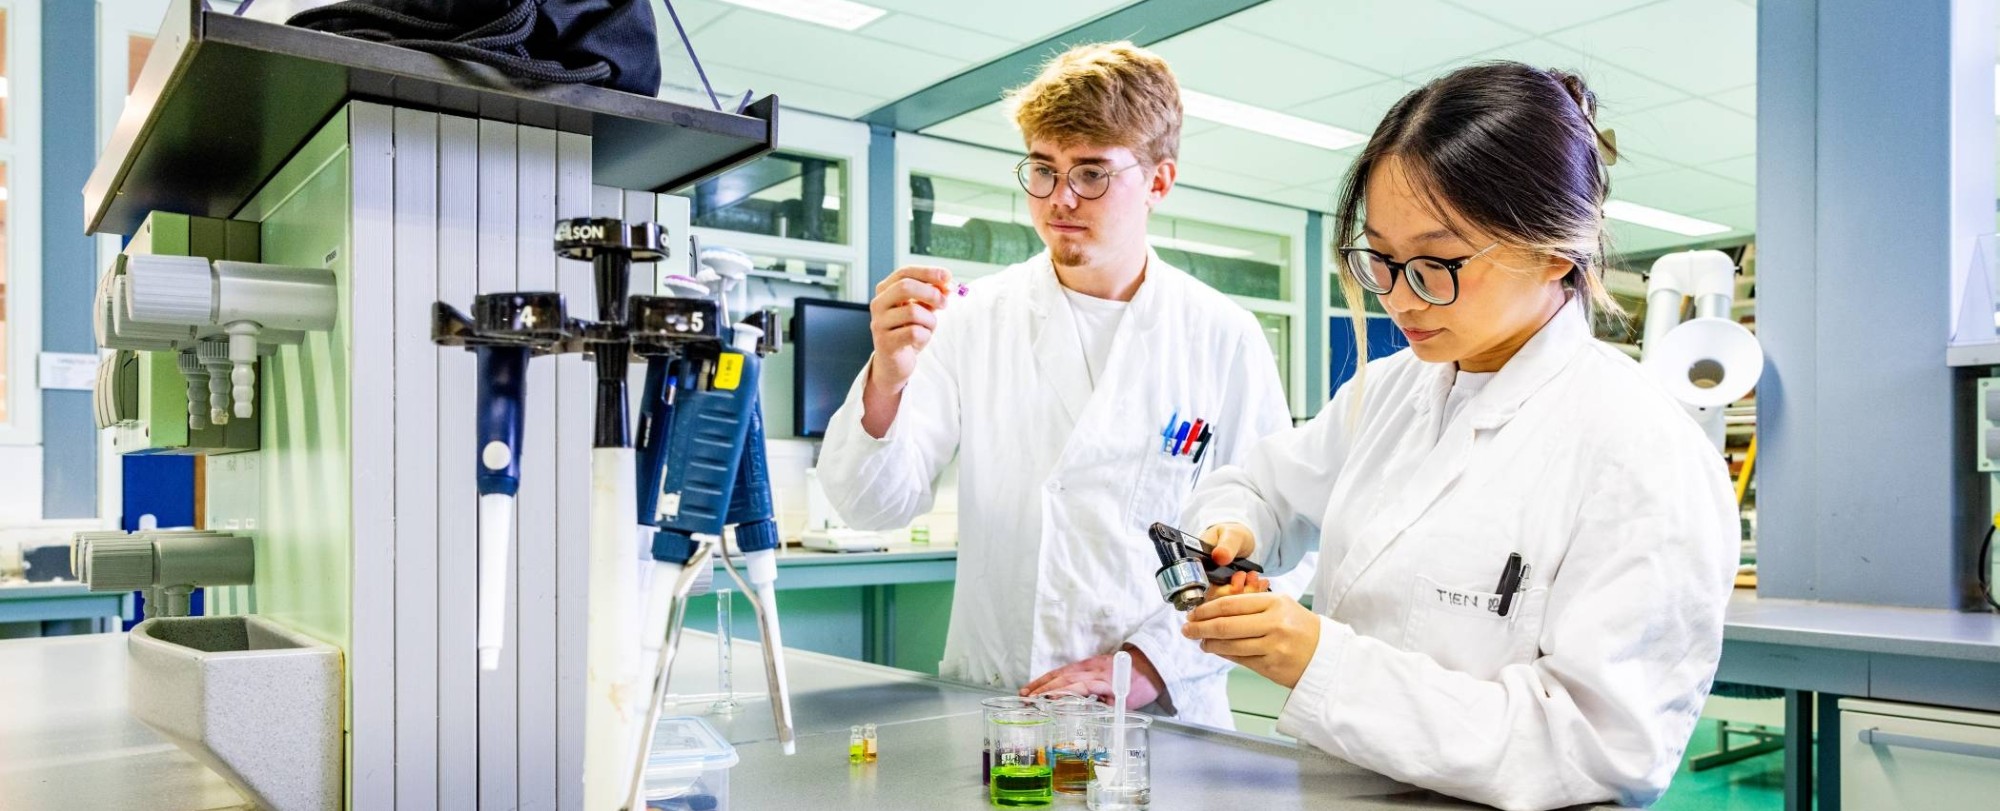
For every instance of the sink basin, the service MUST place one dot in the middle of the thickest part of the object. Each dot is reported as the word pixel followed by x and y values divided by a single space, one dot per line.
pixel 257 702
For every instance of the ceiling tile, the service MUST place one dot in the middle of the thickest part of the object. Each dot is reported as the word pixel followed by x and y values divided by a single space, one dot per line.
pixel 1742 99
pixel 731 81
pixel 1241 66
pixel 1683 191
pixel 1397 39
pixel 799 51
pixel 1616 88
pixel 1741 170
pixel 1741 218
pixel 986 126
pixel 1628 239
pixel 1692 132
pixel 1228 151
pixel 1358 110
pixel 1022 21
pixel 1547 15
pixel 1699 46
pixel 1633 164
pixel 1254 188
pixel 694 14
pixel 1316 197
pixel 929 36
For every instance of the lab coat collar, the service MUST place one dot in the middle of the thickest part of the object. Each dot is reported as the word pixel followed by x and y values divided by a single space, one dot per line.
pixel 1534 365
pixel 1045 291
pixel 1057 349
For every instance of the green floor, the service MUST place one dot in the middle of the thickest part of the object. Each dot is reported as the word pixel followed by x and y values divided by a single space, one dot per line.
pixel 1756 784
pixel 1748 785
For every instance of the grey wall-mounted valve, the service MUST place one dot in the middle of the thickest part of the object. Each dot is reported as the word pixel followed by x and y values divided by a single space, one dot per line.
pixel 167 564
pixel 225 313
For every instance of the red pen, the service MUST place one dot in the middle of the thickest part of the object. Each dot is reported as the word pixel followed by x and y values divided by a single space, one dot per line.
pixel 1193 434
pixel 1201 449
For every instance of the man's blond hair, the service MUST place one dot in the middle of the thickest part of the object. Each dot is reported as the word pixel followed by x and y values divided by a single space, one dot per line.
pixel 1103 94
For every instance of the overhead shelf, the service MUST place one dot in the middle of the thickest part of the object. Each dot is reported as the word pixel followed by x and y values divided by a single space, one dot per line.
pixel 1986 354
pixel 223 101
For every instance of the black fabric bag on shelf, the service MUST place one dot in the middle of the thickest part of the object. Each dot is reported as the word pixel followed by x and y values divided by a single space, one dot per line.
pixel 609 43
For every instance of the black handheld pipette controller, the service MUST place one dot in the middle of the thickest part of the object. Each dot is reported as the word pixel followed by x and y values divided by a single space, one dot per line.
pixel 1186 569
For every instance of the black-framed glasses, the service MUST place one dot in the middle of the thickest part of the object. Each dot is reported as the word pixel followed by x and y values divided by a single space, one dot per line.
pixel 1090 181
pixel 1433 279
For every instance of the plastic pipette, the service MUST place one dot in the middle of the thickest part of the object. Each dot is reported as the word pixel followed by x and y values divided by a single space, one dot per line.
pixel 1121 686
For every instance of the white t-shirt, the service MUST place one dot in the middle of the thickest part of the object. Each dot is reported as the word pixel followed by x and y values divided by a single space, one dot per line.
pixel 1096 323
pixel 1463 388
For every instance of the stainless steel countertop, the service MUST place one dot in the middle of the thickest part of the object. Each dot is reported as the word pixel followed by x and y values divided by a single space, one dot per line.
pixel 66 741
pixel 1921 632
pixel 930 732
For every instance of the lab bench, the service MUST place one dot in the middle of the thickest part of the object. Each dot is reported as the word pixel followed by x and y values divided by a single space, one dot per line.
pixel 800 568
pixel 930 732
pixel 24 602
pixel 890 608
pixel 67 742
pixel 1820 653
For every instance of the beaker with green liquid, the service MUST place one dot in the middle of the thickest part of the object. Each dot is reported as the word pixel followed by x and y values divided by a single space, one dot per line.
pixel 1021 777
pixel 991 706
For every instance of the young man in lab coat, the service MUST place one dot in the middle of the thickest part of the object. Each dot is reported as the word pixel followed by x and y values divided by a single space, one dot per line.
pixel 1052 381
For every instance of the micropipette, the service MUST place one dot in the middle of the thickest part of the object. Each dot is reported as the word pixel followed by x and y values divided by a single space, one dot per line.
pixel 614 665
pixel 505 329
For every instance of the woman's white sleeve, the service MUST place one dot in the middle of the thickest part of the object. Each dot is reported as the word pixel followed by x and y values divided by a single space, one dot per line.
pixel 1278 487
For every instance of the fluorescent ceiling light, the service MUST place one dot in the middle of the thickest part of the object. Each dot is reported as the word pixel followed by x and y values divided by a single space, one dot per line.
pixel 949 220
pixel 831 202
pixel 1192 246
pixel 1269 122
pixel 842 14
pixel 3 194
pixel 1663 220
pixel 3 87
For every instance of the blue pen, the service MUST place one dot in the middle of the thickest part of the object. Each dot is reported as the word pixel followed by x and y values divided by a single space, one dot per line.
pixel 1167 433
pixel 1179 436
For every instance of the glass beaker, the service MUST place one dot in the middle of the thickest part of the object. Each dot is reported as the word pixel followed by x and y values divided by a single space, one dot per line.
pixel 1120 784
pixel 1020 741
pixel 724 653
pixel 991 705
pixel 1069 740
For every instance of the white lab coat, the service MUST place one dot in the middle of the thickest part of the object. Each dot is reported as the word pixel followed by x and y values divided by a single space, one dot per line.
pixel 1588 689
pixel 1057 482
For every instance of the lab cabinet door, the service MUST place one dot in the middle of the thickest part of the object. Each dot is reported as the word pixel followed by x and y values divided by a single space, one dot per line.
pixel 1906 756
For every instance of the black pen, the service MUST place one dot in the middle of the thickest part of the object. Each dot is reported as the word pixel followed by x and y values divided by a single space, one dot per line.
pixel 1510 581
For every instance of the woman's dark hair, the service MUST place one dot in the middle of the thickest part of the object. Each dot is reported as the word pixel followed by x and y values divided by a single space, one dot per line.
pixel 1505 148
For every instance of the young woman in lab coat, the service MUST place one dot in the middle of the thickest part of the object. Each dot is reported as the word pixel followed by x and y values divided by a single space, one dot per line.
pixel 1504 430
pixel 1051 381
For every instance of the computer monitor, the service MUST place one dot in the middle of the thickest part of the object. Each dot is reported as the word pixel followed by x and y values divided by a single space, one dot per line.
pixel 831 344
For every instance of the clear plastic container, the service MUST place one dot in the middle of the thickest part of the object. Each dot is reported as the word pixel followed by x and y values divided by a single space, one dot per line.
pixel 688 769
